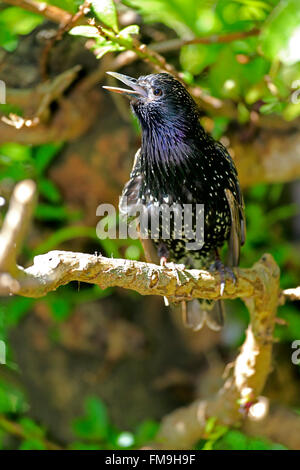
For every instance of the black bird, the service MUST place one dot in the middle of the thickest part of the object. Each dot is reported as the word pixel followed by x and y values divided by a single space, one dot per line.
pixel 180 163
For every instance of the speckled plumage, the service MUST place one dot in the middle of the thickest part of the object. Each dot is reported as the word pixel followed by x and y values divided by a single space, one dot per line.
pixel 180 163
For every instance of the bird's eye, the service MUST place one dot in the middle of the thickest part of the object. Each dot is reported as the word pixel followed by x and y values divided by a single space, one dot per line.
pixel 157 92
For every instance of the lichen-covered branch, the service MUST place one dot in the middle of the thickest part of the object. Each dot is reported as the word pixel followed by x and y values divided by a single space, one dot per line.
pixel 57 268
pixel 184 427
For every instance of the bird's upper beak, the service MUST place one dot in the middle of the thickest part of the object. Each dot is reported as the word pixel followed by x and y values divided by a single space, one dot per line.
pixel 137 90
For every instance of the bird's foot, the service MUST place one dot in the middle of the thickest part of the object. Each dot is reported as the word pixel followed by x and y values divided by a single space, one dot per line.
pixel 218 266
pixel 176 268
pixel 163 261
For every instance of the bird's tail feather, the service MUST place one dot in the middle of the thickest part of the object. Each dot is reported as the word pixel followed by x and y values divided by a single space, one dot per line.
pixel 198 312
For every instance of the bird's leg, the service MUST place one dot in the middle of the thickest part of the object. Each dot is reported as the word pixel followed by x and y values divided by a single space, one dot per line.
pixel 218 266
pixel 163 254
pixel 184 314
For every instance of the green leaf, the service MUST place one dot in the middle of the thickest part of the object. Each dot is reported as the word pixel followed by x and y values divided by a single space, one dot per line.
pixel 95 424
pixel 18 308
pixel 44 154
pixel 109 48
pixel 49 190
pixel 19 21
pixel 69 5
pixel 106 12
pixel 195 57
pixel 133 252
pixel 48 212
pixel 281 33
pixel 60 307
pixel 30 428
pixel 16 152
pixel 8 40
pixel 146 432
pixel 85 31
pixel 32 444
pixel 127 32
pixel 11 399
pixel 179 15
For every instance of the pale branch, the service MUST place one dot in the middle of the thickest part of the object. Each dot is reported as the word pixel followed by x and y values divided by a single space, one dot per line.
pixel 184 427
pixel 15 225
pixel 56 268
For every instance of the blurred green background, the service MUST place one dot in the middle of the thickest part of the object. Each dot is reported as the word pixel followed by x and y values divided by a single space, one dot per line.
pixel 93 369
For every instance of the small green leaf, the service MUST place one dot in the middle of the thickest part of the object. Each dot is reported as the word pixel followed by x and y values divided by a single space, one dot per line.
pixel 60 307
pixel 44 154
pixel 127 32
pixel 16 152
pixel 95 424
pixel 106 12
pixel 19 21
pixel 108 48
pixel 32 444
pixel 281 32
pixel 85 31
pixel 48 212
pixel 133 252
pixel 49 190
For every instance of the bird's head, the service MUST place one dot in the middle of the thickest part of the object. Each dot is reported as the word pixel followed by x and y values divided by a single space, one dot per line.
pixel 158 99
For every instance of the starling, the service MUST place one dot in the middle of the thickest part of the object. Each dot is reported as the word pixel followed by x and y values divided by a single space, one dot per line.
pixel 180 163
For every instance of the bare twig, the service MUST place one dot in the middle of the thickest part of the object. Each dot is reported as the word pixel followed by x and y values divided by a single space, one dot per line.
pixel 50 12
pixel 44 94
pixel 175 44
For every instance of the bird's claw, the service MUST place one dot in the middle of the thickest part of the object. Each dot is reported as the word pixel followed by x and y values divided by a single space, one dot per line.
pixel 218 266
pixel 176 268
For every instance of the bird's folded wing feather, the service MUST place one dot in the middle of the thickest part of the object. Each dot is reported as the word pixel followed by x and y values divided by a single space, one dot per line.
pixel 128 206
pixel 235 201
pixel 130 194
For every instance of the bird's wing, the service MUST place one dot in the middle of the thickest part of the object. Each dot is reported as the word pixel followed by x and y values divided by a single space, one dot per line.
pixel 129 206
pixel 130 194
pixel 235 201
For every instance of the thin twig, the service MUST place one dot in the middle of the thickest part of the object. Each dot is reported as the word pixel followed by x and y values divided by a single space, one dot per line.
pixel 175 44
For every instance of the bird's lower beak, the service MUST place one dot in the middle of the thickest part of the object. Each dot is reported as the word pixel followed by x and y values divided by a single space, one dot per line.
pixel 136 92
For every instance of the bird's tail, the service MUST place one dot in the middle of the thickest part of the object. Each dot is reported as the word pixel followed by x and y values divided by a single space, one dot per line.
pixel 198 312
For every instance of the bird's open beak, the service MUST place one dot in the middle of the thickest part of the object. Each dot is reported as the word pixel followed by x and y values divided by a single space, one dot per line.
pixel 136 92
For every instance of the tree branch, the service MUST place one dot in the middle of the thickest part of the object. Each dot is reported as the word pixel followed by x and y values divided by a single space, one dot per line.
pixel 183 427
pixel 174 44
pixel 52 13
